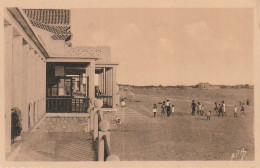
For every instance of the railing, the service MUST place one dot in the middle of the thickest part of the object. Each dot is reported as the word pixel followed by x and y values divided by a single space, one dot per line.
pixel 67 105
pixel 107 101
pixel 101 135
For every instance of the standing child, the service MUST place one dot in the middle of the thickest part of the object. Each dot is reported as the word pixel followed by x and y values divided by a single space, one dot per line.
pixel 168 108
pixel 193 107
pixel 243 110
pixel 247 102
pixel 202 110
pixel 198 108
pixel 154 110
pixel 224 108
pixel 172 109
pixel 118 121
pixel 235 111
pixel 163 109
pixel 208 115
pixel 216 109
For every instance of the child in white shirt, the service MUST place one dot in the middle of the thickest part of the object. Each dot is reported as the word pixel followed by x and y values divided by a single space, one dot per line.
pixel 235 111
pixel 118 121
pixel 208 115
pixel 172 109
pixel 154 110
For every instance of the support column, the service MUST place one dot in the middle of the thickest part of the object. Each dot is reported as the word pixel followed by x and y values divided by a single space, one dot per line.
pixel 91 74
pixel 99 82
pixel 8 73
pixel 110 86
pixel 36 88
pixel 44 87
pixel 104 81
pixel 17 69
pixel 24 107
pixel 114 86
pixel 33 89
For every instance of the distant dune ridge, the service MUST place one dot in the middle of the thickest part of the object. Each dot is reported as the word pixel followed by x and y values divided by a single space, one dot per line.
pixel 206 85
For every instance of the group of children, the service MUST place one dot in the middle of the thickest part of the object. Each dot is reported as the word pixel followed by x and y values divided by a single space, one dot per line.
pixel 166 108
pixel 220 109
pixel 200 109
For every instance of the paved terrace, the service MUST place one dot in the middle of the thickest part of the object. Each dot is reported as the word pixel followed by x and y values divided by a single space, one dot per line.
pixel 47 145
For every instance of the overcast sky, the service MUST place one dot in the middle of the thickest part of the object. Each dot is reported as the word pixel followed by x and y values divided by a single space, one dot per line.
pixel 171 46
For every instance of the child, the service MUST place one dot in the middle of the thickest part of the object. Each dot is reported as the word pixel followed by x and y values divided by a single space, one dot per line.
pixel 208 115
pixel 154 110
pixel 243 110
pixel 193 107
pixel 235 111
pixel 216 109
pixel 168 108
pixel 247 102
pixel 224 108
pixel 220 110
pixel 202 110
pixel 118 121
pixel 199 108
pixel 172 109
pixel 163 109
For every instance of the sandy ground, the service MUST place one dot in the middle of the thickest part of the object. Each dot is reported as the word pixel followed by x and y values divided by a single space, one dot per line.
pixel 185 137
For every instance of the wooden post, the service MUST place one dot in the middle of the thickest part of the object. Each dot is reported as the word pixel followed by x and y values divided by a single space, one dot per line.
pixel 101 149
pixel 92 112
pixel 95 125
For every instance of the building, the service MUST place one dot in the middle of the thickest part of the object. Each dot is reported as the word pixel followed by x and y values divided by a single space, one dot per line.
pixel 45 74
pixel 203 85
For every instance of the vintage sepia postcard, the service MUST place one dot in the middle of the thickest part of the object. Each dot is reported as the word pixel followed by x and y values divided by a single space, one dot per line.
pixel 143 84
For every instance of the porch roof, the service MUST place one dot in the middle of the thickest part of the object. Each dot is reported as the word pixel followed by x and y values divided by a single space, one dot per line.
pixel 106 64
pixel 71 59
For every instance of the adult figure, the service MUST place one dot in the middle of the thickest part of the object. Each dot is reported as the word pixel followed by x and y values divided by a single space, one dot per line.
pixel 247 102
pixel 199 108
pixel 168 108
pixel 216 109
pixel 193 107
pixel 163 109
pixel 220 109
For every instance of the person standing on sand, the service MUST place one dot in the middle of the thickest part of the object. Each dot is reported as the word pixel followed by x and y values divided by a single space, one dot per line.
pixel 243 110
pixel 220 110
pixel 202 110
pixel 247 102
pixel 224 108
pixel 172 109
pixel 193 107
pixel 154 110
pixel 199 108
pixel 168 108
pixel 216 109
pixel 235 111
pixel 208 115
pixel 163 109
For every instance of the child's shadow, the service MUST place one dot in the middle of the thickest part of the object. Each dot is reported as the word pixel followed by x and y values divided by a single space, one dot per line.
pixel 200 118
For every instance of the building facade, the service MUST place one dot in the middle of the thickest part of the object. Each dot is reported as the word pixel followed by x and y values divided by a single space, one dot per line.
pixel 45 74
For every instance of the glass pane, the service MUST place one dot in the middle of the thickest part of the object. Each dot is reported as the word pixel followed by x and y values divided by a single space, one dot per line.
pixel 54 91
pixel 61 84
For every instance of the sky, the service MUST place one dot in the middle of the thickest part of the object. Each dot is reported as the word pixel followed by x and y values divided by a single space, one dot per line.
pixel 171 46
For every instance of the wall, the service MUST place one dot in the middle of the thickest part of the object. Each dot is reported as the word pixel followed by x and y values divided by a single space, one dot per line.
pixel 25 77
pixel 63 124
